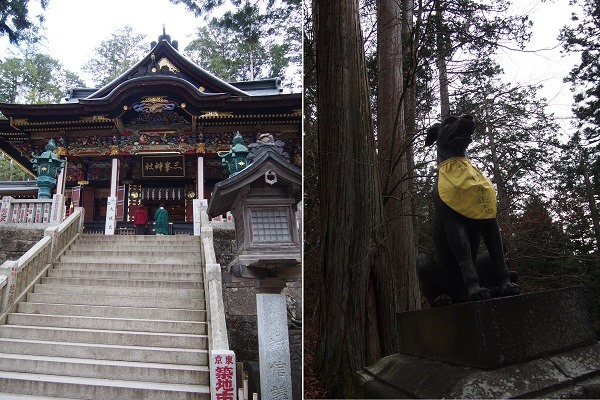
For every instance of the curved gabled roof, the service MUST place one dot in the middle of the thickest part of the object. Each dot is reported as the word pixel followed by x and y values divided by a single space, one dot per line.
pixel 225 192
pixel 164 59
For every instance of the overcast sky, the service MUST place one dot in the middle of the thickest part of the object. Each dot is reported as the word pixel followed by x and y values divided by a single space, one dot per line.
pixel 76 27
pixel 543 62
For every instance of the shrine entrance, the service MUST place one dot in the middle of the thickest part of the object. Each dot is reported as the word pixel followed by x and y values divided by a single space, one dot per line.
pixel 174 199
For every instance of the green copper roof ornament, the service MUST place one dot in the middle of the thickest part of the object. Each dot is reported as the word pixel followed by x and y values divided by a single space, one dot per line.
pixel 48 167
pixel 236 159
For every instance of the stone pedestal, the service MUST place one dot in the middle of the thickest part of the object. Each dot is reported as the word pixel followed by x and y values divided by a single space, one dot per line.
pixel 273 347
pixel 521 346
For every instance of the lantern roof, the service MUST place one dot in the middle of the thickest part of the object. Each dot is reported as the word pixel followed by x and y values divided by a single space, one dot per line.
pixel 267 163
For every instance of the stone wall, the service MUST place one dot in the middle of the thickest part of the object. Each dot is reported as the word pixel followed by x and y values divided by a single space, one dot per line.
pixel 14 242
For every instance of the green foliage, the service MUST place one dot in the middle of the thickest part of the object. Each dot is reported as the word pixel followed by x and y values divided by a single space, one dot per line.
pixel 10 171
pixel 584 39
pixel 203 7
pixel 214 50
pixel 35 79
pixel 115 55
pixel 251 42
pixel 15 21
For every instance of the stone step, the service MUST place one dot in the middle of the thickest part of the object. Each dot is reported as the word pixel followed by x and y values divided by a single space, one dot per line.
pixel 128 253
pixel 133 275
pixel 92 388
pixel 138 238
pixel 192 293
pixel 103 323
pixel 120 259
pixel 111 312
pixel 104 336
pixel 105 369
pixel 180 302
pixel 122 283
pixel 181 267
pixel 99 351
pixel 140 248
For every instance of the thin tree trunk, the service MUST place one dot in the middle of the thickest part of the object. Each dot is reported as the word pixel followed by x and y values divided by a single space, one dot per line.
pixel 441 61
pixel 394 153
pixel 357 318
pixel 591 202
pixel 503 201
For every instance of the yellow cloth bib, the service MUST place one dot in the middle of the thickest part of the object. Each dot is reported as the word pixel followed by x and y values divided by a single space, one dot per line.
pixel 465 189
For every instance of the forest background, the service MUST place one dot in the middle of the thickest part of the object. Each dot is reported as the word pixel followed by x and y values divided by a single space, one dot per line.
pixel 378 73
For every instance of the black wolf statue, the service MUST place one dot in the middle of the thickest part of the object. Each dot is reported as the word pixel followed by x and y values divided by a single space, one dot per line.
pixel 464 212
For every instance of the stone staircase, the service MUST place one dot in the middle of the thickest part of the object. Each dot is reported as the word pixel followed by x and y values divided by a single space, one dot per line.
pixel 118 317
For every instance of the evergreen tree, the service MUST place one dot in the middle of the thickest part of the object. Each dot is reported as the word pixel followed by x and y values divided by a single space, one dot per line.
pixel 10 171
pixel 215 50
pixel 16 22
pixel 36 79
pixel 115 55
pixel 256 40
pixel 357 315
pixel 584 38
pixel 515 140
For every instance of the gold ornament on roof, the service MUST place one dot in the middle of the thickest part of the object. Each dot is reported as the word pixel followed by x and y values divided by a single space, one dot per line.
pixel 114 150
pixel 60 151
pixel 164 61
pixel 216 114
pixel 95 118
pixel 154 99
pixel 200 148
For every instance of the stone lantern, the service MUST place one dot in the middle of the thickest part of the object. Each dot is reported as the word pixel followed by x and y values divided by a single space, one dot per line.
pixel 236 158
pixel 263 198
pixel 48 167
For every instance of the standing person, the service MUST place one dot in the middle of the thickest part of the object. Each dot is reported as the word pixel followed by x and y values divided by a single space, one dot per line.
pixel 161 216
pixel 140 220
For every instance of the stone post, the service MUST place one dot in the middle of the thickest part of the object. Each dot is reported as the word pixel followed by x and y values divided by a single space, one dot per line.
pixel 111 216
pixel 57 215
pixel 5 210
pixel 273 347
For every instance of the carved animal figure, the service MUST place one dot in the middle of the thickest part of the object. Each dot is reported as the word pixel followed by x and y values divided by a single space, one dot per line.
pixel 464 212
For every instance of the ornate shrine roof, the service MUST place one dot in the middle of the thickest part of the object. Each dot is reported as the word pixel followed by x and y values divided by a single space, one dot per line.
pixel 164 88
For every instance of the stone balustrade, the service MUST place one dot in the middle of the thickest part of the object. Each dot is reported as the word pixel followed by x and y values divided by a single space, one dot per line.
pixel 222 360
pixel 32 211
pixel 17 278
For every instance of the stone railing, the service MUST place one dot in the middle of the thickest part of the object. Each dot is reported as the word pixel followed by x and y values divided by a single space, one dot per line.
pixel 222 360
pixel 17 278
pixel 223 222
pixel 32 211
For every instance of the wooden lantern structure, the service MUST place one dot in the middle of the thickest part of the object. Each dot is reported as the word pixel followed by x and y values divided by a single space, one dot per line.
pixel 263 199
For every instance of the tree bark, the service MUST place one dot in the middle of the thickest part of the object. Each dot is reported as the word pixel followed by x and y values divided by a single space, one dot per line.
pixel 395 151
pixel 441 55
pixel 357 318
pixel 503 212
pixel 591 200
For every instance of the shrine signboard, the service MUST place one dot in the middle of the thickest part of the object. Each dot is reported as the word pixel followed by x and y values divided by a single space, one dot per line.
pixel 163 166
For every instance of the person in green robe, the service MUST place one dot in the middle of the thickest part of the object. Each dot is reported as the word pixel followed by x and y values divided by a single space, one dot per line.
pixel 161 216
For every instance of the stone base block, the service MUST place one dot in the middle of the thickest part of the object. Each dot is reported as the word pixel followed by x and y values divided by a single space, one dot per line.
pixel 571 374
pixel 493 333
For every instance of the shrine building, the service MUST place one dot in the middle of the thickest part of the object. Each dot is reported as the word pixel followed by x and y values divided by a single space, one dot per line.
pixel 152 135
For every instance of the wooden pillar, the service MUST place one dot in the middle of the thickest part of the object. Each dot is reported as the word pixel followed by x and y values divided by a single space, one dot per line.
pixel 62 179
pixel 111 206
pixel 114 177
